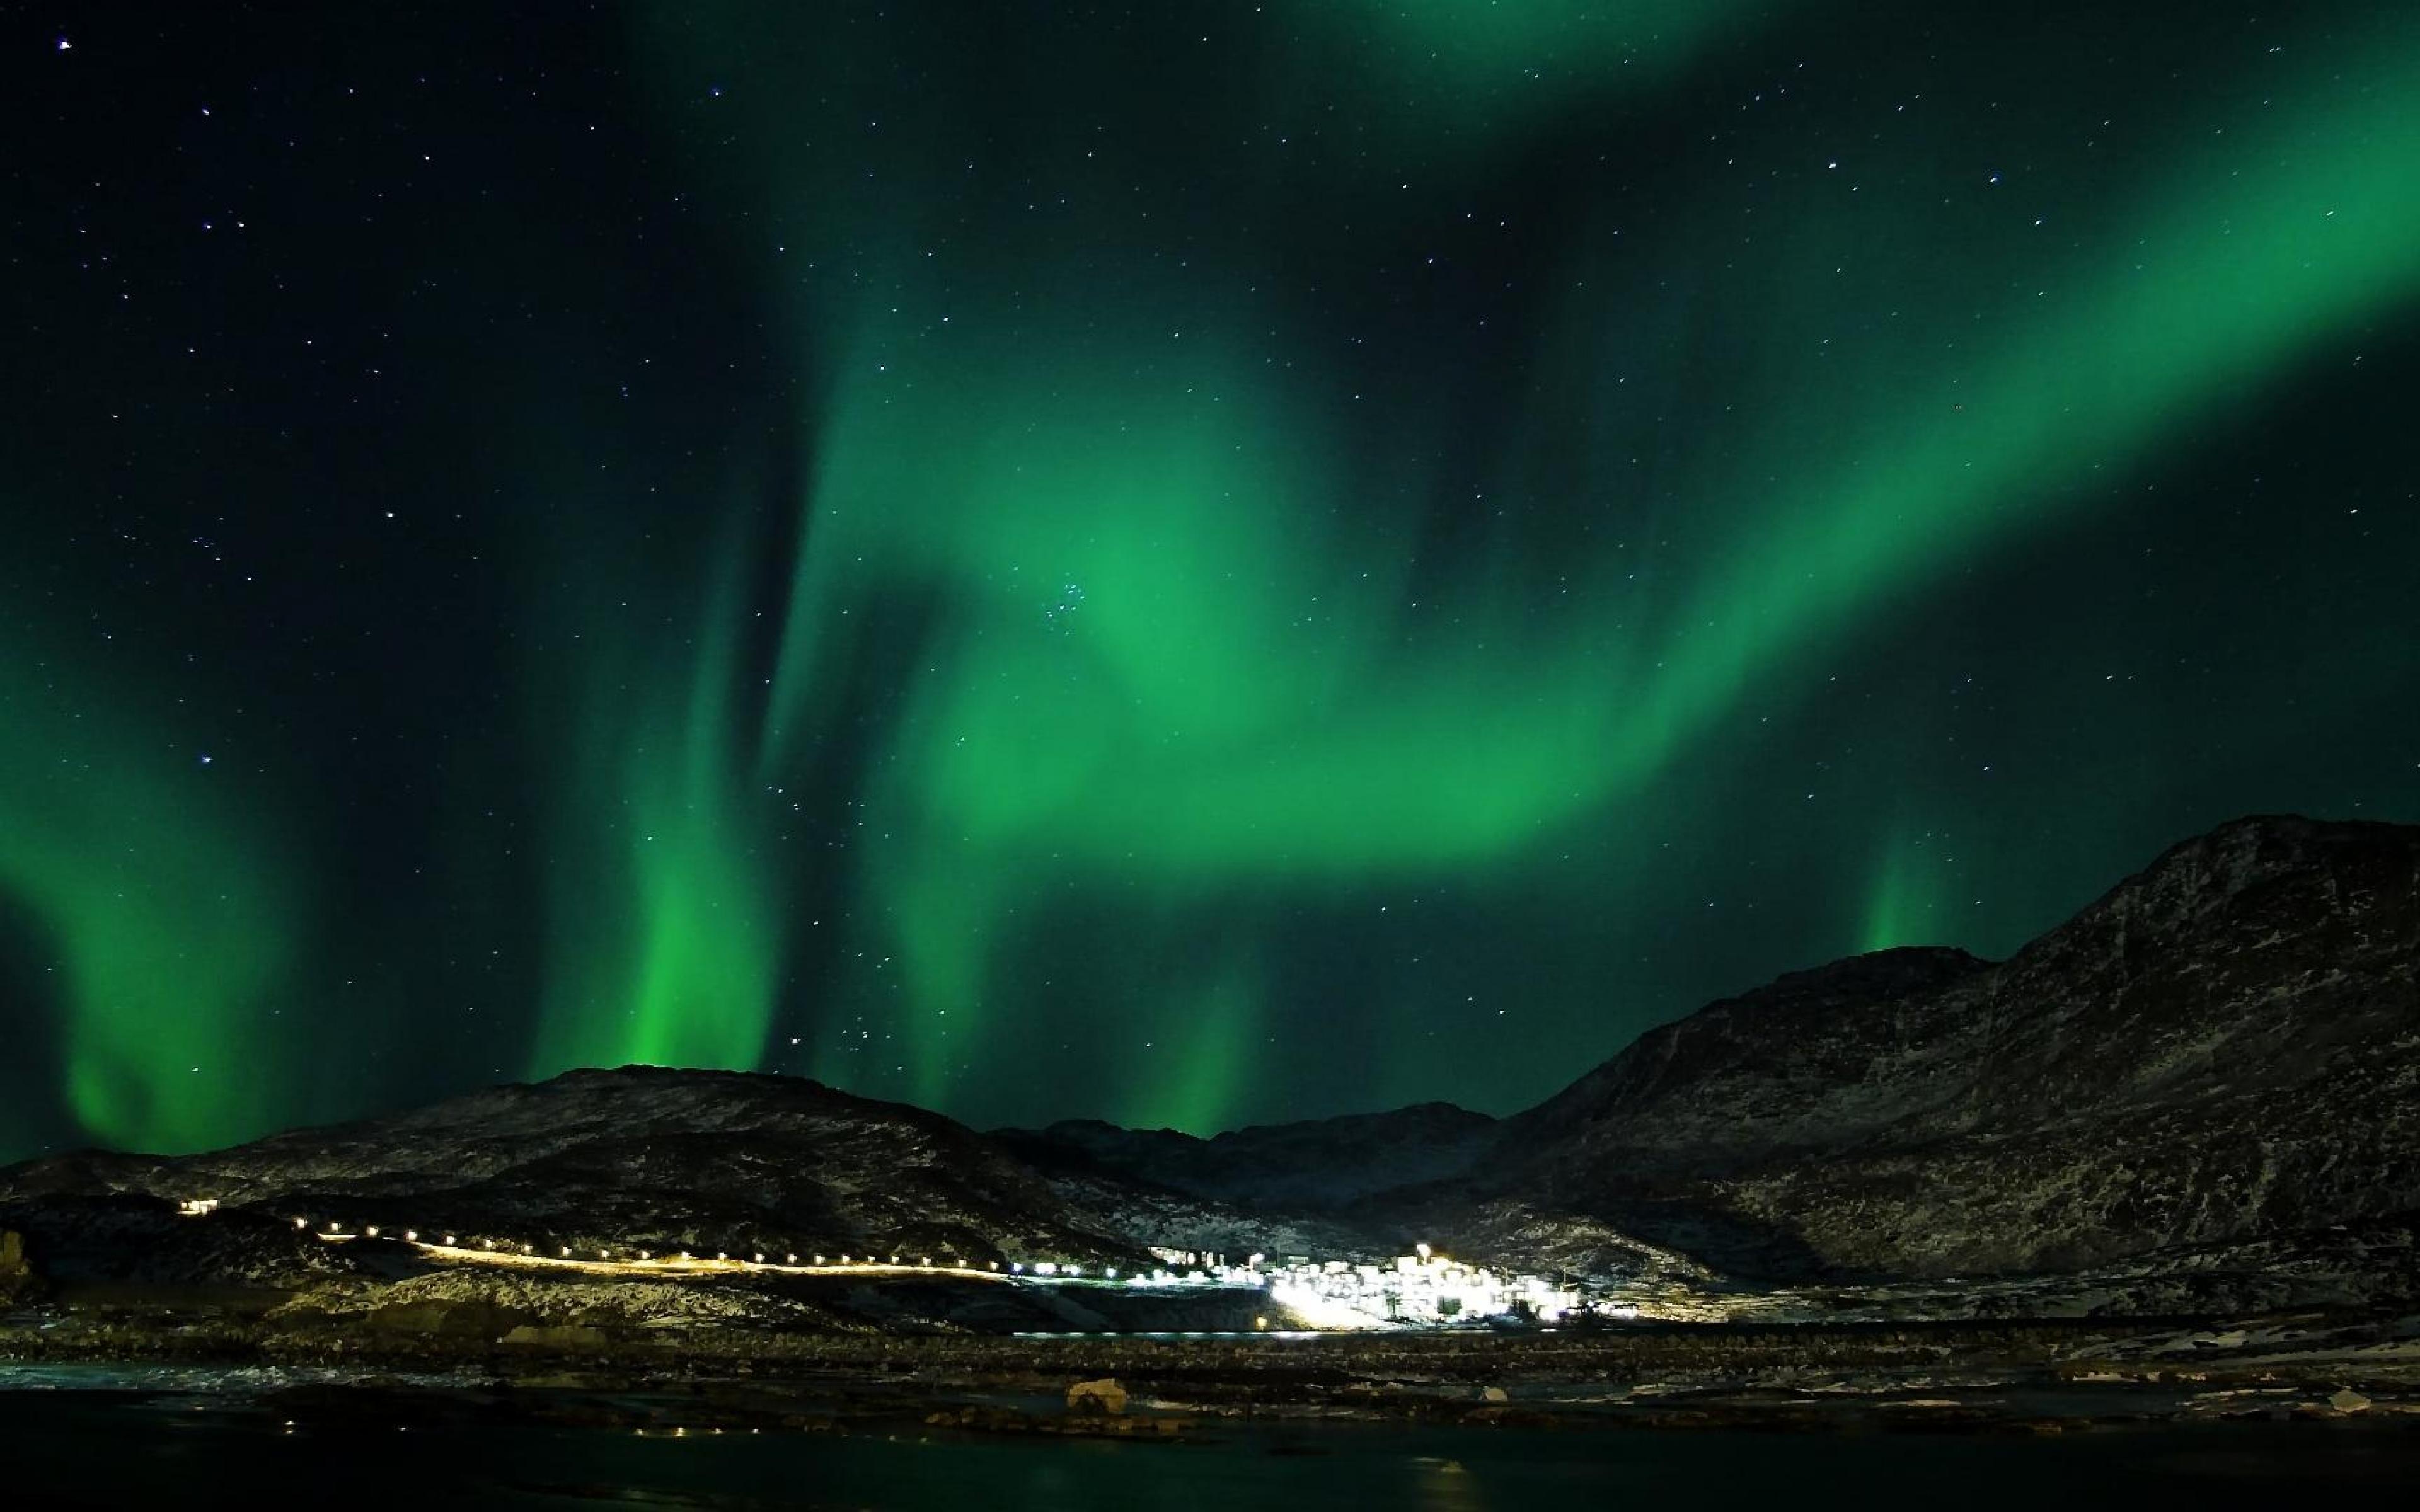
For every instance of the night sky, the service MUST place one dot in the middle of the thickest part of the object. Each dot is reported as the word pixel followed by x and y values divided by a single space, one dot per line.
pixel 1196 563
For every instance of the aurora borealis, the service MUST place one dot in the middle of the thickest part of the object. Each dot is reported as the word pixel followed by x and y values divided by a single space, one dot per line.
pixel 1192 564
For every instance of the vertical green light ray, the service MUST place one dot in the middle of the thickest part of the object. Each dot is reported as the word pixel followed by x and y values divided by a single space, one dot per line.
pixel 1198 1055
pixel 1901 897
pixel 666 923
pixel 168 904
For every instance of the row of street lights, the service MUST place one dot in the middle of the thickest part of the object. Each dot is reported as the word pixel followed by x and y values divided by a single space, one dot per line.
pixel 335 1234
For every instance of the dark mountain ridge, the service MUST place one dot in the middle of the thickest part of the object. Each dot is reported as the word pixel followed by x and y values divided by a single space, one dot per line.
pixel 2223 1046
pixel 2224 1049
pixel 639 1156
pixel 1320 1163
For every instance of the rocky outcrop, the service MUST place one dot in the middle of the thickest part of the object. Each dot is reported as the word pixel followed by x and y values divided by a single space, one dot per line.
pixel 16 1275
pixel 1104 1397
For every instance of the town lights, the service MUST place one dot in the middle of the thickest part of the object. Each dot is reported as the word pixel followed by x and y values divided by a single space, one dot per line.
pixel 1422 1250
pixel 792 1260
pixel 302 1223
pixel 449 1242
pixel 371 1230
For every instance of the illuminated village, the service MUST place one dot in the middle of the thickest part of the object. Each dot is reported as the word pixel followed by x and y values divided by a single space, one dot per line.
pixel 1419 1289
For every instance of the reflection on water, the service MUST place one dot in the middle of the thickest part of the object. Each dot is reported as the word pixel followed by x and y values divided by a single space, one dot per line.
pixel 1446 1486
pixel 80 1449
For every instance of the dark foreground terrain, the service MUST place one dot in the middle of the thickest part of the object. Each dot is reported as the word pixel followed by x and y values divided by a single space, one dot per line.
pixel 2031 1376
pixel 2130 1211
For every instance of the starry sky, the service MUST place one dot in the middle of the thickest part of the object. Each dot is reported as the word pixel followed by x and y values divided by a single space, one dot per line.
pixel 1191 564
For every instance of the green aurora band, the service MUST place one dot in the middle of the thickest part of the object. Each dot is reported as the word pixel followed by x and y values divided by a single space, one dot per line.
pixel 157 889
pixel 1094 641
pixel 1167 669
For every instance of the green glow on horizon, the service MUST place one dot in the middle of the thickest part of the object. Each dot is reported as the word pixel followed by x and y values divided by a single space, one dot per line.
pixel 1201 1059
pixel 170 912
pixel 1899 900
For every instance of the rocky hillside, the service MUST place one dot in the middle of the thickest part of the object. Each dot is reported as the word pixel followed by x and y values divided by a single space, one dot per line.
pixel 705 1160
pixel 2225 1047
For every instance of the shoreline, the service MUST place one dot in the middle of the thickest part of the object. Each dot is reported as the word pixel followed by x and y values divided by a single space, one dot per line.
pixel 2049 1377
